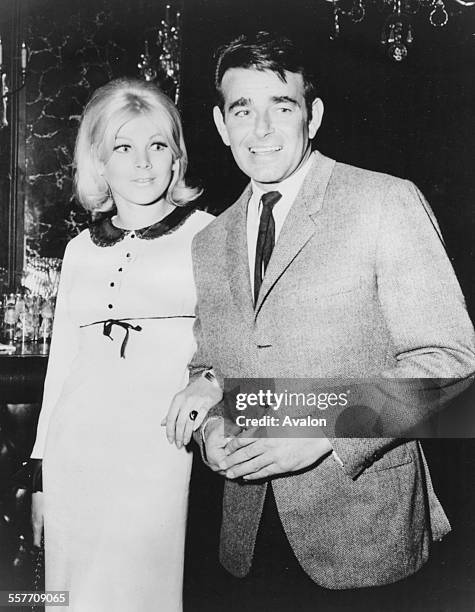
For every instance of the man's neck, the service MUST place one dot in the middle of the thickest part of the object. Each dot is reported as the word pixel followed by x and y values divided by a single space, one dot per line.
pixel 291 183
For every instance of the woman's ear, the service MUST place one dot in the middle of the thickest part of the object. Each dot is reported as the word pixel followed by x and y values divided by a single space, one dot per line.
pixel 99 165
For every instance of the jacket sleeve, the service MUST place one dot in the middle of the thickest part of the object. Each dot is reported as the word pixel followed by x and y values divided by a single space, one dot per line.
pixel 422 304
pixel 201 360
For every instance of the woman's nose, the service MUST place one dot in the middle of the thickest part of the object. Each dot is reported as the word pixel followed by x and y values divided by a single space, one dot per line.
pixel 143 161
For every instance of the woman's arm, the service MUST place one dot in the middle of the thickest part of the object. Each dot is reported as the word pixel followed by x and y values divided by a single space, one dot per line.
pixel 64 347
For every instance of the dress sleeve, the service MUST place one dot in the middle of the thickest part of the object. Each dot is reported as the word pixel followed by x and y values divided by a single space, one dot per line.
pixel 64 347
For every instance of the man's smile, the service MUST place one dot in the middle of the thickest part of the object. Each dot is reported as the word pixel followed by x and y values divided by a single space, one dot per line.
pixel 264 150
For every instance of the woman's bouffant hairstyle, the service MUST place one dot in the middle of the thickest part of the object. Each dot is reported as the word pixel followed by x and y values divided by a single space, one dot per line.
pixel 109 108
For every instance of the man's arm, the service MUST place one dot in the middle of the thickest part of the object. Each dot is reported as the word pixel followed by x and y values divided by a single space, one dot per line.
pixel 431 333
pixel 202 393
pixel 422 305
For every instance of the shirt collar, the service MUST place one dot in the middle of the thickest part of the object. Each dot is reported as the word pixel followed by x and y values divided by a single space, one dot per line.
pixel 104 233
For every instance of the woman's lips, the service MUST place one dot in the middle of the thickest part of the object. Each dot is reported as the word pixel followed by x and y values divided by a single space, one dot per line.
pixel 143 181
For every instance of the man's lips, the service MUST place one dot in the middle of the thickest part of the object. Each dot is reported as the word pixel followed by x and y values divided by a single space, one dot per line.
pixel 264 150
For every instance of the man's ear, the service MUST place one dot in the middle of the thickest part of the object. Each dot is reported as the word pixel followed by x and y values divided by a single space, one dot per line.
pixel 317 116
pixel 220 125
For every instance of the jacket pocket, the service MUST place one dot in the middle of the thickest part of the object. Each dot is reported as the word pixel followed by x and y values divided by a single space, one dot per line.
pixel 401 455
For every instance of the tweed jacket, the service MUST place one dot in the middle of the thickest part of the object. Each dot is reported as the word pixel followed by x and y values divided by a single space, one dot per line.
pixel 358 285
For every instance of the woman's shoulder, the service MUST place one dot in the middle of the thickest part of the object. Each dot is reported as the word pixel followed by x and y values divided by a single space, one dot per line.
pixel 78 243
pixel 199 219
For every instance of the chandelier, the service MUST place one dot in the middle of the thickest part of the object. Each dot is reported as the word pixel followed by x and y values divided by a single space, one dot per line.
pixel 397 33
pixel 160 60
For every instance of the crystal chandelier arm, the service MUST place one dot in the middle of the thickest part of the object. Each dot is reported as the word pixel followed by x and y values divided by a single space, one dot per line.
pixel 466 2
pixel 162 64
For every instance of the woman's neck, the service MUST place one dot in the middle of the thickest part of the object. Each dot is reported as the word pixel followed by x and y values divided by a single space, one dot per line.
pixel 134 216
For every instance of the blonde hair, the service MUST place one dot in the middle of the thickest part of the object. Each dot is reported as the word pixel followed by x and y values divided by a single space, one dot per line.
pixel 109 108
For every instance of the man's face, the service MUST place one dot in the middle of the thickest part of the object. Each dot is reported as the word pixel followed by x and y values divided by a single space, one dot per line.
pixel 266 123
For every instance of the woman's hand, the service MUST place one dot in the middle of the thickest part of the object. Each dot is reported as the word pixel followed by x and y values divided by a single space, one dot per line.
pixel 198 397
pixel 37 519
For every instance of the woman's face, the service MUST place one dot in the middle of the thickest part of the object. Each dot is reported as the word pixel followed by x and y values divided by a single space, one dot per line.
pixel 140 167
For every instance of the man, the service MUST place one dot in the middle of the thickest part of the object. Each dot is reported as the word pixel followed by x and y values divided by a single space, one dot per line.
pixel 319 270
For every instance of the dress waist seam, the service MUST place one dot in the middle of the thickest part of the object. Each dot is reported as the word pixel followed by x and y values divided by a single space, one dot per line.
pixel 109 323
pixel 184 316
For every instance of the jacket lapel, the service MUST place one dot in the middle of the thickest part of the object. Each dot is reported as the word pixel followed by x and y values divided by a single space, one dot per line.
pixel 300 224
pixel 237 261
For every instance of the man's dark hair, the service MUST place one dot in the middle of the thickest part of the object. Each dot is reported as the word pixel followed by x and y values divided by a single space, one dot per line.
pixel 264 51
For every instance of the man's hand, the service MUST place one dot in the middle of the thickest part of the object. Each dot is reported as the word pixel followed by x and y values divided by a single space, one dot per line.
pixel 215 442
pixel 254 458
pixel 200 395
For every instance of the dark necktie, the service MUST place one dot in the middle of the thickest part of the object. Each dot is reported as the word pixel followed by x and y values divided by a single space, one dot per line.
pixel 265 238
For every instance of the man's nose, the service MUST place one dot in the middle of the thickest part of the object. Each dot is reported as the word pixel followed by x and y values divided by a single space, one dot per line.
pixel 263 125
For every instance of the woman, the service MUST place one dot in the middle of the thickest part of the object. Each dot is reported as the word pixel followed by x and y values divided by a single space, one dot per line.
pixel 115 492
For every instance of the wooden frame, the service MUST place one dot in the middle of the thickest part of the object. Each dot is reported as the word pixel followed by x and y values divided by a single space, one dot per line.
pixel 12 226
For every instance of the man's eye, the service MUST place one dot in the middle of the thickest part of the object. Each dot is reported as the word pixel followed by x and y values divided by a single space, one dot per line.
pixel 123 148
pixel 241 113
pixel 284 109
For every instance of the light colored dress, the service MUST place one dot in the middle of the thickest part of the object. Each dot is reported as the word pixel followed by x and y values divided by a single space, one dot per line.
pixel 115 490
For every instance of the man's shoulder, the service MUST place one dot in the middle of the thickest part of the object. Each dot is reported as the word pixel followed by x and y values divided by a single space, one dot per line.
pixel 343 181
pixel 355 188
pixel 354 176
pixel 218 225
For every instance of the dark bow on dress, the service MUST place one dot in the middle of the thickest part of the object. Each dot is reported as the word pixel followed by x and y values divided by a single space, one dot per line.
pixel 127 326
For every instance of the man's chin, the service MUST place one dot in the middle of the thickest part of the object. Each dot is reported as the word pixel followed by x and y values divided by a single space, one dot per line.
pixel 264 177
pixel 270 181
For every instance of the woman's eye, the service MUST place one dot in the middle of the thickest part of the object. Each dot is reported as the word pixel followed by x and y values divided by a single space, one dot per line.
pixel 158 146
pixel 123 148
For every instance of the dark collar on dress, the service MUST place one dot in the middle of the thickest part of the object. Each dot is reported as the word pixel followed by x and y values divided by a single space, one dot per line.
pixel 104 233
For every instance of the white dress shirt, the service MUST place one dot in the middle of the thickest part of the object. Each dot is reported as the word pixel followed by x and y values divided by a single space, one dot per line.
pixel 289 189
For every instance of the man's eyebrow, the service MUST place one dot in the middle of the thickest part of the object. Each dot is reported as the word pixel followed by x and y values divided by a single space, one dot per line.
pixel 239 102
pixel 281 99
